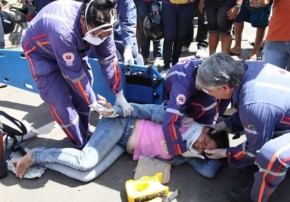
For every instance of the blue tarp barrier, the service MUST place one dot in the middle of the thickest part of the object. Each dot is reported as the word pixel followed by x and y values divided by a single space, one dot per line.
pixel 141 84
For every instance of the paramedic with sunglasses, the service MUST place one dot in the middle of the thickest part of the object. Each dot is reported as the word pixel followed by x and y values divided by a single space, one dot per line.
pixel 56 43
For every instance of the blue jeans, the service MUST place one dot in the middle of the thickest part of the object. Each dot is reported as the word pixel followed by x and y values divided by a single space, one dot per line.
pixel 175 19
pixel 277 53
pixel 106 144
pixel 98 154
pixel 143 9
pixel 207 168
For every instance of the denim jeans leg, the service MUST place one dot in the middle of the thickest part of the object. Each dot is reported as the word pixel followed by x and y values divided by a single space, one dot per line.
pixel 176 161
pixel 205 167
pixel 86 176
pixel 104 138
pixel 277 53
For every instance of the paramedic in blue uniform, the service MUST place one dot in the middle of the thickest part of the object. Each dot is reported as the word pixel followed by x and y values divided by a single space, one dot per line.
pixel 182 97
pixel 261 94
pixel 55 44
pixel 125 33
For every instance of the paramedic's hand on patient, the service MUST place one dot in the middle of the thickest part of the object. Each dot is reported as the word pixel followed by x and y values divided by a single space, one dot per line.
pixel 216 153
pixel 189 154
pixel 122 102
pixel 128 57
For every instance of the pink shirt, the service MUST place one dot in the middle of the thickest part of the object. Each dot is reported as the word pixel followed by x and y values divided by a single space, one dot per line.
pixel 150 141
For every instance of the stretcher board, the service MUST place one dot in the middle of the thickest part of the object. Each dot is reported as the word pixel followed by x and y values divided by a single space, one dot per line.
pixel 14 71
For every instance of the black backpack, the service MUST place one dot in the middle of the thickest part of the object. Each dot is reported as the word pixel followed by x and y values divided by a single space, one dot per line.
pixel 18 129
pixel 152 27
pixel 7 21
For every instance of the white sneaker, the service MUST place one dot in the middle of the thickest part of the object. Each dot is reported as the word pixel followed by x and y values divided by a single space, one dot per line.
pixel 201 53
pixel 158 62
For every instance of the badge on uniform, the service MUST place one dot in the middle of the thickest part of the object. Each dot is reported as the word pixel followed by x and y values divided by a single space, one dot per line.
pixel 181 99
pixel 68 58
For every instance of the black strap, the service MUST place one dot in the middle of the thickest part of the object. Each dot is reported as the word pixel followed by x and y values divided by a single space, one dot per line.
pixel 11 132
pixel 15 121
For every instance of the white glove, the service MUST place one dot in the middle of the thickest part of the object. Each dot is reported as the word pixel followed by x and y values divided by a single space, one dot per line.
pixel 190 154
pixel 100 108
pixel 219 127
pixel 216 153
pixel 128 57
pixel 122 102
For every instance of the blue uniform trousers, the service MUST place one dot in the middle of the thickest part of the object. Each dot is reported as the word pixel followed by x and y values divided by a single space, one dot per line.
pixel 273 160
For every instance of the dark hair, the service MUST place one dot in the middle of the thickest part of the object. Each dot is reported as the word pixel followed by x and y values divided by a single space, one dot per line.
pixel 98 12
pixel 221 138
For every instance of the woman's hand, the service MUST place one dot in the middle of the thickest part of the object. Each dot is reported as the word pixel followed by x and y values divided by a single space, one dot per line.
pixel 233 12
pixel 111 112
pixel 103 101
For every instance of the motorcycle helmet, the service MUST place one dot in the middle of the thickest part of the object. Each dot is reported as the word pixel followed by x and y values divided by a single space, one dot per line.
pixel 7 22
pixel 152 27
pixel 30 12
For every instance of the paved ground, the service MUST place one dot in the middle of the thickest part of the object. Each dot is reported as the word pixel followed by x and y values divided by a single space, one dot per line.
pixel 110 186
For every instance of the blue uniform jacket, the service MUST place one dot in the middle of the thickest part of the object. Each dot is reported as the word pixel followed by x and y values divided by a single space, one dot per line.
pixel 184 98
pixel 263 104
pixel 55 36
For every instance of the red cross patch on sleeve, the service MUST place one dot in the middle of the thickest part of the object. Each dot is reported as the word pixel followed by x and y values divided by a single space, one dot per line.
pixel 180 99
pixel 68 58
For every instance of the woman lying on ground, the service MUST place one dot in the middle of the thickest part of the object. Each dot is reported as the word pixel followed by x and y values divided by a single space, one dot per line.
pixel 139 134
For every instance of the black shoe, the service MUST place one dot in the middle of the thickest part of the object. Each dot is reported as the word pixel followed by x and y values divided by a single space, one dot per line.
pixel 240 194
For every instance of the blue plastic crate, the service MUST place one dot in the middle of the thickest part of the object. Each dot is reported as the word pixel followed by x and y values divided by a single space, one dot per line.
pixel 14 71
